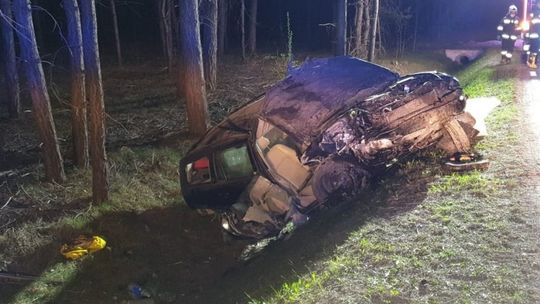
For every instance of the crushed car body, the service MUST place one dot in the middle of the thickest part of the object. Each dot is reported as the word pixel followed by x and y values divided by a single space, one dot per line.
pixel 317 137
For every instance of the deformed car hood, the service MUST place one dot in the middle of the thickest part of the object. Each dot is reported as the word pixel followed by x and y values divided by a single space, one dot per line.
pixel 320 88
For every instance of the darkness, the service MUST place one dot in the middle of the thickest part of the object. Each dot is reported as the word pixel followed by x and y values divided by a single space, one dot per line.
pixel 439 22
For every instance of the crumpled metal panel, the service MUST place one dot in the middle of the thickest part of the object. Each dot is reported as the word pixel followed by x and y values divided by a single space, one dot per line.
pixel 320 88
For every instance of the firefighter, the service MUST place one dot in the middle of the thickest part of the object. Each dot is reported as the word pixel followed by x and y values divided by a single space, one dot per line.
pixel 508 31
pixel 534 36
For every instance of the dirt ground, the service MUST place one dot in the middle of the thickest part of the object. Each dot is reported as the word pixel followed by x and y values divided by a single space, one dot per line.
pixel 142 110
pixel 141 105
pixel 175 254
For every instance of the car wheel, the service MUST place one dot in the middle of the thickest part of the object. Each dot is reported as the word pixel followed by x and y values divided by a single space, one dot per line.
pixel 338 179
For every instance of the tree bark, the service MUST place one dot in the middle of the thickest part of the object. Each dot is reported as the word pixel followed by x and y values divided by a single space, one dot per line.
pixel 194 86
pixel 242 28
pixel 41 106
pixel 222 27
pixel 78 93
pixel 96 107
pixel 367 24
pixel 9 60
pixel 373 36
pixel 116 32
pixel 174 27
pixel 165 13
pixel 159 6
pixel 252 42
pixel 359 22
pixel 209 43
pixel 341 28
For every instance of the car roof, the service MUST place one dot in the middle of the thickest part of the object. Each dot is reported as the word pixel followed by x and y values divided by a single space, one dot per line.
pixel 319 89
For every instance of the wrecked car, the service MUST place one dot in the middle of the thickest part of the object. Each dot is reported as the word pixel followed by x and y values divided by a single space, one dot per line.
pixel 318 137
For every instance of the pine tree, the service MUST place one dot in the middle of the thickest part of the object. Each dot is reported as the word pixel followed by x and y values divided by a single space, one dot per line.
pixel 9 59
pixel 96 107
pixel 192 68
pixel 78 93
pixel 41 106
pixel 209 41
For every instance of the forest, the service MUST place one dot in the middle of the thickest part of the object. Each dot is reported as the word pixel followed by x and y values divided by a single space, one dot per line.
pixel 190 39
pixel 100 99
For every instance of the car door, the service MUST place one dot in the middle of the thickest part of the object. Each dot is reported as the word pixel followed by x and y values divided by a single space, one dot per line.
pixel 217 179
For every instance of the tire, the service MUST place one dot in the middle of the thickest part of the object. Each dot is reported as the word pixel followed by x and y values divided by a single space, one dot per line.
pixel 338 179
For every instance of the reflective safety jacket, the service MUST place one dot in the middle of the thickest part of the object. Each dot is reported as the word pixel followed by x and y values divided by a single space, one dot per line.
pixel 534 30
pixel 508 27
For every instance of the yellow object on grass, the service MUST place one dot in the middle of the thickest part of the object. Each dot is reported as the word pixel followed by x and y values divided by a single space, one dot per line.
pixel 82 246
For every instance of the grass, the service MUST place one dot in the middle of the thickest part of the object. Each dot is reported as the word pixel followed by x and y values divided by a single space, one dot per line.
pixel 461 244
pixel 140 179
pixel 474 182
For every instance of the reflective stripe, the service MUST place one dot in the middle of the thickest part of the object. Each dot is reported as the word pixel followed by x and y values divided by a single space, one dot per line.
pixel 513 37
pixel 500 28
pixel 504 52
pixel 526 47
pixel 505 36
pixel 516 22
pixel 535 21
pixel 507 21
pixel 533 35
pixel 508 55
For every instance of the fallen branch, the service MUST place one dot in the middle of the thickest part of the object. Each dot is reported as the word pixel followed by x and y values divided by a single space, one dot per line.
pixel 13 277
pixel 7 173
pixel 8 201
pixel 17 276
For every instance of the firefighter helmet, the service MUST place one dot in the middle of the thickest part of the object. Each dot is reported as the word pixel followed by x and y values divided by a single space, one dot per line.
pixel 512 9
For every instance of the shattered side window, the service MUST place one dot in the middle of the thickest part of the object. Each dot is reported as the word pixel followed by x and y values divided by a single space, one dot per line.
pixel 233 163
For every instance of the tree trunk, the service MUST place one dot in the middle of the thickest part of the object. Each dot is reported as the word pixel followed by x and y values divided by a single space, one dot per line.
pixel 373 37
pixel 242 28
pixel 341 28
pixel 9 60
pixel 359 22
pixel 78 94
pixel 41 106
pixel 174 27
pixel 209 43
pixel 194 86
pixel 165 13
pixel 367 24
pixel 116 32
pixel 222 27
pixel 378 44
pixel 159 6
pixel 96 107
pixel 252 43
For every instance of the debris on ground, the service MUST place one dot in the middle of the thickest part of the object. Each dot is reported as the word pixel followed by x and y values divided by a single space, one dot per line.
pixel 466 162
pixel 137 292
pixel 82 246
